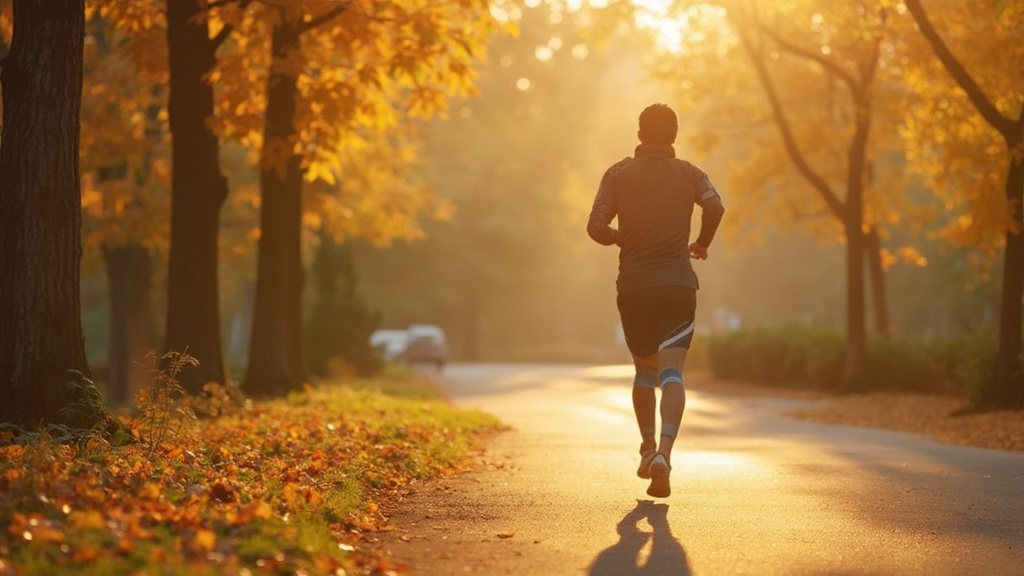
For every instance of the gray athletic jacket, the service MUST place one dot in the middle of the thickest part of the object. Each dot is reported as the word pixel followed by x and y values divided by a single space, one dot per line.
pixel 653 194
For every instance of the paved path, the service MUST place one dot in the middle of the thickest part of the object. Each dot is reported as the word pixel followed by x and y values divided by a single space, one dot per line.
pixel 753 492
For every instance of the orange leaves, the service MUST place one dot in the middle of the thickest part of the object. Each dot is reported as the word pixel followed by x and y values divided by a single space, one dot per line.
pixel 86 519
pixel 925 414
pixel 36 528
pixel 247 489
pixel 204 540
pixel 253 511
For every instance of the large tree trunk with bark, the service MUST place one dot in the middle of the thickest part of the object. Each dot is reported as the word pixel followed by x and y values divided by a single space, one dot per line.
pixel 198 189
pixel 43 369
pixel 856 331
pixel 1006 388
pixel 876 278
pixel 131 321
pixel 855 375
pixel 275 352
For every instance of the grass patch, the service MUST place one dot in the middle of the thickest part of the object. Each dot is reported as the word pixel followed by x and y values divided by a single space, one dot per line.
pixel 284 486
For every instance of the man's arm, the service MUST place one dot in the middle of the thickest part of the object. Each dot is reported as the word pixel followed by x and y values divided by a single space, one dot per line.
pixel 712 210
pixel 601 215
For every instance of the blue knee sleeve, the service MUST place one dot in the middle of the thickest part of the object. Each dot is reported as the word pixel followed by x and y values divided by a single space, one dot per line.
pixel 670 376
pixel 645 378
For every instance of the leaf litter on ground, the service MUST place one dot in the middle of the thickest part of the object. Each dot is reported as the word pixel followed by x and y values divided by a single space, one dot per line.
pixel 937 416
pixel 934 416
pixel 288 486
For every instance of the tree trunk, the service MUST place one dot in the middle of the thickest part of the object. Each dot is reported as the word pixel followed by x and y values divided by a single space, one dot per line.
pixel 876 276
pixel 275 352
pixel 854 378
pixel 1006 388
pixel 856 332
pixel 198 189
pixel 43 369
pixel 131 321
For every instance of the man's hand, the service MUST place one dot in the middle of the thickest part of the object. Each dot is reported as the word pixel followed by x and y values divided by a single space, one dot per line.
pixel 698 252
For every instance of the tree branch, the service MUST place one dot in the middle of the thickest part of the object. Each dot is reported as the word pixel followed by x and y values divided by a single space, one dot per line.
pixel 226 31
pixel 959 73
pixel 321 19
pixel 792 148
pixel 825 63
pixel 219 3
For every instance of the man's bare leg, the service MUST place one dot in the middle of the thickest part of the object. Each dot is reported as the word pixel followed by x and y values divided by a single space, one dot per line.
pixel 644 400
pixel 673 402
pixel 673 397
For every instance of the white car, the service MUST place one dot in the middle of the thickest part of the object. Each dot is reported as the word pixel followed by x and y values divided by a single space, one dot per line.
pixel 427 343
pixel 391 343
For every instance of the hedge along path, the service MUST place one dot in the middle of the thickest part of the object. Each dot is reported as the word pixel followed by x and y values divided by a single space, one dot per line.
pixel 287 486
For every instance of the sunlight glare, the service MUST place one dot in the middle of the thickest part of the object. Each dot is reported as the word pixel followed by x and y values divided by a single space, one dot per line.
pixel 580 51
pixel 674 28
pixel 668 30
pixel 710 463
pixel 613 371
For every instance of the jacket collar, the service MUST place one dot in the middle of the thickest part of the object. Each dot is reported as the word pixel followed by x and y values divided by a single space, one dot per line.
pixel 655 151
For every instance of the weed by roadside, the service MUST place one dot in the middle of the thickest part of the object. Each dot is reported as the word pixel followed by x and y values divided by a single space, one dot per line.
pixel 287 486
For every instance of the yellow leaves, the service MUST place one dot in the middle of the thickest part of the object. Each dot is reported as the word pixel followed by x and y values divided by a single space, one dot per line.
pixel 36 528
pixel 204 539
pixel 86 519
pixel 912 256
pixel 271 474
pixel 320 171
pixel 149 491
pixel 904 254
pixel 259 510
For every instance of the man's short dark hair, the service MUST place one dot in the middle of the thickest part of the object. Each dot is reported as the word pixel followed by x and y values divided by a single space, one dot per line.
pixel 658 125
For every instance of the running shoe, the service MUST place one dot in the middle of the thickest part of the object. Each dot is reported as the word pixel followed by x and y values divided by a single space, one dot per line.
pixel 659 470
pixel 645 462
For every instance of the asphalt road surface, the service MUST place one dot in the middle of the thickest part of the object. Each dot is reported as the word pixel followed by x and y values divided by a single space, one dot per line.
pixel 754 492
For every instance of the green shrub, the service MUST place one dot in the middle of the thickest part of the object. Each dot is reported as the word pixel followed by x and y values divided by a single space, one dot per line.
pixel 966 360
pixel 814 357
pixel 903 364
pixel 338 330
pixel 789 355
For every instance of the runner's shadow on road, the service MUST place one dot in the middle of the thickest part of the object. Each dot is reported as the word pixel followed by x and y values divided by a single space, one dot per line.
pixel 666 558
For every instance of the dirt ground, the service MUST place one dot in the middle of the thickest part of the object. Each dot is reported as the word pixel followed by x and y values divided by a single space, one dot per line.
pixel 917 413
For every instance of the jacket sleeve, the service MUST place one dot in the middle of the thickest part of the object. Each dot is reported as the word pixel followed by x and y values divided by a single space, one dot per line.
pixel 711 207
pixel 601 215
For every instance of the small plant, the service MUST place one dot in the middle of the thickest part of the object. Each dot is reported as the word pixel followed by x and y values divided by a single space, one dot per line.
pixel 218 400
pixel 160 410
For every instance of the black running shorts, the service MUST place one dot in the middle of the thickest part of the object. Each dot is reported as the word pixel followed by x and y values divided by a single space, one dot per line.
pixel 652 316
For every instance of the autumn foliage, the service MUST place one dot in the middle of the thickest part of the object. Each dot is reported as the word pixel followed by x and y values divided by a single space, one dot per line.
pixel 290 486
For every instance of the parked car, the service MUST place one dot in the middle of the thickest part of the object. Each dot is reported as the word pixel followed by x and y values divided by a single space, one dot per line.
pixel 391 343
pixel 427 343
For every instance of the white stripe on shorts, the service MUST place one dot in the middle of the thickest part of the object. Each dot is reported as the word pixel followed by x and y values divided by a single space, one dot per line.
pixel 676 338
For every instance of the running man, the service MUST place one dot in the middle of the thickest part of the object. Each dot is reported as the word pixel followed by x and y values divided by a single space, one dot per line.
pixel 653 194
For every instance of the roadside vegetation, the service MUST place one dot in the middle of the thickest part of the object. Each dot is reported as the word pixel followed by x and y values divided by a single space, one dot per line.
pixel 219 484
pixel 915 385
pixel 813 357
